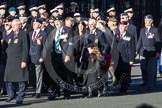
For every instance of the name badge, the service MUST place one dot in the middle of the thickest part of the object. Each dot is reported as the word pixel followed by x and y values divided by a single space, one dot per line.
pixel 16 41
pixel 63 36
pixel 150 35
pixel 126 38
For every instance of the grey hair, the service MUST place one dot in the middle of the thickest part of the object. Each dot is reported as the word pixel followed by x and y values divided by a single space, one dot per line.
pixel 16 21
pixel 93 21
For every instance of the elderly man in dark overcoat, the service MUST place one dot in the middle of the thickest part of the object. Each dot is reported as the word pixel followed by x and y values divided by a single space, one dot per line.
pixel 16 66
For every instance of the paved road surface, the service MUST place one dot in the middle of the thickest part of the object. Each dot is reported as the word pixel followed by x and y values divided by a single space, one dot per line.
pixel 136 95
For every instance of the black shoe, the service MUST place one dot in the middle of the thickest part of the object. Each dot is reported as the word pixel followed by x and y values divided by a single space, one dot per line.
pixel 114 83
pixel 51 97
pixel 99 94
pixel 105 92
pixel 9 99
pixel 3 92
pixel 19 102
pixel 66 97
pixel 143 84
pixel 122 92
pixel 90 95
pixel 37 95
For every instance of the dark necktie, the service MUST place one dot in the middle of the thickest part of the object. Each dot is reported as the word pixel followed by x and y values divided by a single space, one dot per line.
pixel 147 31
pixel 120 36
pixel 34 36
pixel 15 36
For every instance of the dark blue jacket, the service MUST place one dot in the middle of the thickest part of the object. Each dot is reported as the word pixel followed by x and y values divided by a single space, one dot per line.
pixel 36 48
pixel 150 42
pixel 126 47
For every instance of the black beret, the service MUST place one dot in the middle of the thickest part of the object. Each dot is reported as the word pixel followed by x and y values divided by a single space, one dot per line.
pixel 38 20
pixel 91 45
pixel 58 18
pixel 124 14
pixel 42 19
pixel 23 15
pixel 8 20
pixel 148 17
pixel 123 23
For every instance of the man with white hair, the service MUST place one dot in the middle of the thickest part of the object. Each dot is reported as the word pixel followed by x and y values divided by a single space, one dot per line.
pixel 100 37
pixel 16 66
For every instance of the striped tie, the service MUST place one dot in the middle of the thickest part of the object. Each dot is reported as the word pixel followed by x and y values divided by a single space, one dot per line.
pixel 57 42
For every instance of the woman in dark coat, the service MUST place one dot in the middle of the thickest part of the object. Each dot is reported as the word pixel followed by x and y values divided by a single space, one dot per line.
pixel 78 39
pixel 17 53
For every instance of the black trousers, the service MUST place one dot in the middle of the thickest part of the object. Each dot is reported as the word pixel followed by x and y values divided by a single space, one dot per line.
pixel 122 74
pixel 63 73
pixel 2 83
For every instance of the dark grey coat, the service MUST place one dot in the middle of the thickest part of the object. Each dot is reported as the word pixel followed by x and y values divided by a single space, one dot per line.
pixel 17 53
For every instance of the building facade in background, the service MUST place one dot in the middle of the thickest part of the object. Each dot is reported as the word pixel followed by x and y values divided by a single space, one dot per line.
pixel 141 7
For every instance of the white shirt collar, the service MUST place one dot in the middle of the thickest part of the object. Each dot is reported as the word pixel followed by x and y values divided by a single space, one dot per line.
pixel 148 27
pixel 23 25
pixel 8 32
pixel 93 31
pixel 37 31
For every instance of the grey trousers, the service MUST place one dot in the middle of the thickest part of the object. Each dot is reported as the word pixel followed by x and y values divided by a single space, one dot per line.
pixel 39 77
